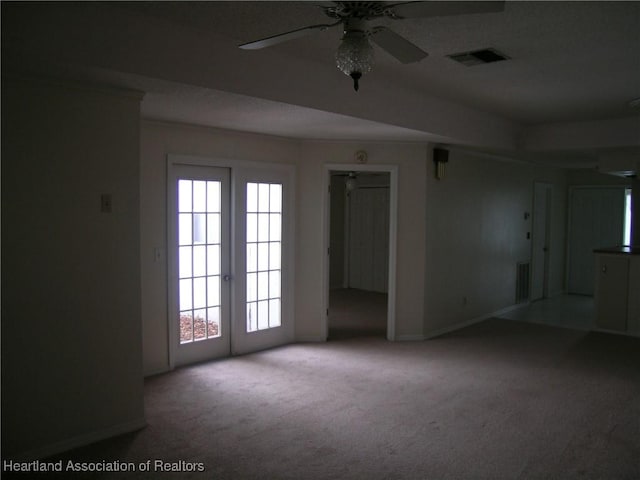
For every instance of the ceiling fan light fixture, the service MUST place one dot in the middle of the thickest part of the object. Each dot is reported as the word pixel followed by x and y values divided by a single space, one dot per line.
pixel 355 56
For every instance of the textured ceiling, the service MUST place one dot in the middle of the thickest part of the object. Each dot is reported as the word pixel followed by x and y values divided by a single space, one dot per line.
pixel 569 62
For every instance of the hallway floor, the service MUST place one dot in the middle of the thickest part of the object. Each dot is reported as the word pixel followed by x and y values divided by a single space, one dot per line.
pixel 567 311
pixel 358 313
pixel 355 313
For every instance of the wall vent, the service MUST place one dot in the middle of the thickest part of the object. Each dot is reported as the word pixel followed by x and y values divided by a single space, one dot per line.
pixel 522 282
pixel 478 57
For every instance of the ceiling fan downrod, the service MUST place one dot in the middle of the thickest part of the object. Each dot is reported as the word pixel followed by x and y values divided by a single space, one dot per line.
pixel 356 76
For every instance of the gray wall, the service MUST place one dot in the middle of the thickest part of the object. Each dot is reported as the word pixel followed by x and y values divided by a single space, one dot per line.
pixel 71 333
pixel 477 233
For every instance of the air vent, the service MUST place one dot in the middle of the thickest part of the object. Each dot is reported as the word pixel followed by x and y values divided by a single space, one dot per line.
pixel 478 57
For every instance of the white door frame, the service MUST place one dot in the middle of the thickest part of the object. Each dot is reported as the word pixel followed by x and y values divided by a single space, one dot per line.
pixel 392 170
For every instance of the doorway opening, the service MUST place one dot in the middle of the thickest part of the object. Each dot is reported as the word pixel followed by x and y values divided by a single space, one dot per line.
pixel 359 253
pixel 596 220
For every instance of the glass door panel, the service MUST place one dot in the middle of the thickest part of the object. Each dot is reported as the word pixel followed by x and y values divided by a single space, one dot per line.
pixel 264 231
pixel 200 307
pixel 207 272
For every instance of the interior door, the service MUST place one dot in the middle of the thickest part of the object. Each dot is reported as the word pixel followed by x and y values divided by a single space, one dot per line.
pixel 199 236
pixel 540 240
pixel 369 238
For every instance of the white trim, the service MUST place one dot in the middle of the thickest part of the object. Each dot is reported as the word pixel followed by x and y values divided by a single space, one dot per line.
pixel 393 231
pixel 81 440
pixel 468 323
pixel 177 159
pixel 616 332
pixel 310 339
pixel 546 262
pixel 411 338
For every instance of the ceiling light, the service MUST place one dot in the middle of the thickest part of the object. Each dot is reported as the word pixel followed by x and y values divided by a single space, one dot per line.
pixel 355 56
pixel 351 183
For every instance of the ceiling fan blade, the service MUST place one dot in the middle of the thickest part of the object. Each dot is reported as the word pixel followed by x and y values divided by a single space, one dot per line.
pixel 396 45
pixel 442 8
pixel 284 37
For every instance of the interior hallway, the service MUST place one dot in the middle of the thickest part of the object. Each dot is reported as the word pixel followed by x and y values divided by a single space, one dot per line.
pixel 357 313
pixel 567 311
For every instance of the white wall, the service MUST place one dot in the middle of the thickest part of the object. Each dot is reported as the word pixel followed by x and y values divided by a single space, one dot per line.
pixel 458 237
pixel 157 140
pixel 476 234
pixel 71 333
pixel 410 159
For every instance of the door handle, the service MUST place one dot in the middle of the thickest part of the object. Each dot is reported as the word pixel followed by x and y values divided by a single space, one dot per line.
pixel 227 277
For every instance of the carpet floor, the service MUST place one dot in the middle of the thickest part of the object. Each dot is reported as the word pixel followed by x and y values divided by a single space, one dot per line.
pixel 497 400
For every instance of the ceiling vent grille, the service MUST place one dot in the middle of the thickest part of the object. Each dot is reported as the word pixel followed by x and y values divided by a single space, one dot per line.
pixel 478 57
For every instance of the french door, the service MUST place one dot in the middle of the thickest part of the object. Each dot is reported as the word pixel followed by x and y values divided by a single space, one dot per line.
pixel 229 263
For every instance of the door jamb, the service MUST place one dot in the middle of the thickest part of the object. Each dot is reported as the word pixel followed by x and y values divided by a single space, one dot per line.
pixel 548 192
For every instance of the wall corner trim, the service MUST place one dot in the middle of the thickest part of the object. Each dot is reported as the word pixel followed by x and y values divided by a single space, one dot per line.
pixel 81 440
pixel 412 337
pixel 309 339
pixel 467 323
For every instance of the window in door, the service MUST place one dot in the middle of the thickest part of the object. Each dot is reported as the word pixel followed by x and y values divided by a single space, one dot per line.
pixel 264 249
pixel 199 249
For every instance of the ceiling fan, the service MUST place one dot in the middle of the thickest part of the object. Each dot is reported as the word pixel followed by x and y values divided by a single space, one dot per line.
pixel 355 56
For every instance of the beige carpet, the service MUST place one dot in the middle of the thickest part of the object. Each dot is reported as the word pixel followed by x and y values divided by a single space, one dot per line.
pixel 498 400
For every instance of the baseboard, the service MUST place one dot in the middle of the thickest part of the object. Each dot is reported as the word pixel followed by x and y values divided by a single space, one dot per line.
pixel 468 323
pixel 616 332
pixel 153 373
pixel 81 440
pixel 309 339
pixel 410 338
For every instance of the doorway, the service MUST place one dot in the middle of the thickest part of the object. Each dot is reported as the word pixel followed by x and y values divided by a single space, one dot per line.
pixel 230 261
pixel 361 236
pixel 597 220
